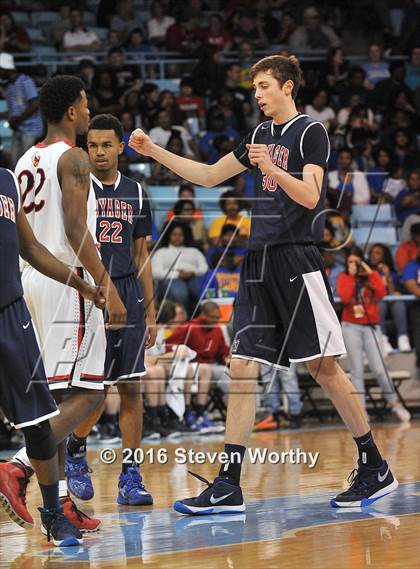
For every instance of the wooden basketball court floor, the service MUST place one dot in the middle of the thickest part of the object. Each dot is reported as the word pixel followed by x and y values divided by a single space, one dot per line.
pixel 288 523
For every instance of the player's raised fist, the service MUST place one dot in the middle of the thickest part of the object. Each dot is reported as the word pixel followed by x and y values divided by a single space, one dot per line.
pixel 140 142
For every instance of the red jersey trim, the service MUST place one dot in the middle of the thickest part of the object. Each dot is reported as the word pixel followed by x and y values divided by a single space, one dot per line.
pixel 41 145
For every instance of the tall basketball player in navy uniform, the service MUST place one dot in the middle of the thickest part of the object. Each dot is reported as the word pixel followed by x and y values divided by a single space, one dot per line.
pixel 123 224
pixel 24 393
pixel 284 309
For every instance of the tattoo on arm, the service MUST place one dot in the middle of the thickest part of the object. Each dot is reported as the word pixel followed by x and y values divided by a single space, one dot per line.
pixel 79 167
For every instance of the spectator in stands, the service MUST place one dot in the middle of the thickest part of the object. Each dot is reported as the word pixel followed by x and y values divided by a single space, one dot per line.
pixel 378 175
pixel 333 263
pixel 127 123
pixel 407 251
pixel 355 105
pixel 313 34
pixel 22 112
pixel 184 211
pixel 277 382
pixel 385 91
pixel 181 316
pixel 113 39
pixel 215 34
pixel 186 192
pixel 412 70
pixel 184 34
pixel 407 204
pixel 411 280
pixel 346 185
pixel 61 25
pixel 158 24
pixel 252 30
pixel 216 127
pixel 321 111
pixel 78 38
pixel 167 102
pixel 13 37
pixel 86 72
pixel 395 183
pixel 222 278
pixel 336 68
pixel 125 20
pixel 375 68
pixel 204 335
pixel 127 76
pixel 287 28
pixel 226 104
pixel 208 75
pixel 190 104
pixel 177 265
pixel 403 147
pixel 164 129
pixel 361 289
pixel 246 60
pixel 231 205
pixel 230 241
pixel 380 258
pixel 106 94
pixel 269 24
pixel 355 85
pixel 40 75
pixel 163 175
pixel 233 85
pixel 148 106
pixel 137 43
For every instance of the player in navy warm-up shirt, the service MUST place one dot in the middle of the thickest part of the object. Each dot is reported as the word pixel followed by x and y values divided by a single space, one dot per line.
pixel 284 310
pixel 25 397
pixel 123 224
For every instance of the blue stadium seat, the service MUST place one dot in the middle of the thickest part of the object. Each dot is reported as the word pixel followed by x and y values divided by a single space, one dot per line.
pixel 5 133
pixel 370 235
pixel 41 50
pixel 3 106
pixel 163 194
pixel 21 18
pixel 142 168
pixel 366 214
pixel 36 34
pixel 202 193
pixel 170 84
pixel 43 19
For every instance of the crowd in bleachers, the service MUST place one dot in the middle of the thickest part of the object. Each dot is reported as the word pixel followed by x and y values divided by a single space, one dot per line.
pixel 363 84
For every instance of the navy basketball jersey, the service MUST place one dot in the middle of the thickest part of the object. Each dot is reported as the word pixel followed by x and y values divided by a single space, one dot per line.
pixel 10 284
pixel 276 218
pixel 123 214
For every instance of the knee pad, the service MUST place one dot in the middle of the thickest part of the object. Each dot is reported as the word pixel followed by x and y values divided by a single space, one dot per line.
pixel 40 441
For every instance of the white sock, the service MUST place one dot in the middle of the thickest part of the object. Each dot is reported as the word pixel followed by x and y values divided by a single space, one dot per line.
pixel 22 457
pixel 62 489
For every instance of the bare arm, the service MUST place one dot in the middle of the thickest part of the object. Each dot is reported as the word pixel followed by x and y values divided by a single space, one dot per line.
pixel 305 192
pixel 412 287
pixel 73 174
pixel 43 261
pixel 202 174
pixel 142 260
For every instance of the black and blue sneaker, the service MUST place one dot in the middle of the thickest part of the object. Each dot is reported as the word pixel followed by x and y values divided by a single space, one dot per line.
pixel 221 497
pixel 78 475
pixel 57 528
pixel 366 486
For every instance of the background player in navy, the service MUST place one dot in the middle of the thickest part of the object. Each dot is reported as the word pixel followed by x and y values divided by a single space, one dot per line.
pixel 24 393
pixel 284 307
pixel 123 224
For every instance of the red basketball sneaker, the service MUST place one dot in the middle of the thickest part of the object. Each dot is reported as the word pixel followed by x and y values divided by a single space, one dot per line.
pixel 13 482
pixel 77 518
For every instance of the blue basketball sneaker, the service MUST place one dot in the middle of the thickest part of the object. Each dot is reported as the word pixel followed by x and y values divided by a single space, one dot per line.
pixel 78 476
pixel 366 486
pixel 56 526
pixel 221 497
pixel 131 489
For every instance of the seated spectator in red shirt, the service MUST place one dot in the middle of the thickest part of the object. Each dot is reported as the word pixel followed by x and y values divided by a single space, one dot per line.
pixel 13 37
pixel 189 103
pixel 216 33
pixel 407 251
pixel 183 35
pixel 204 335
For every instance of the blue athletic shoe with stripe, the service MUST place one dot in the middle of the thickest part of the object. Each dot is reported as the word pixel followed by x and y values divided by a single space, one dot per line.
pixel 221 497
pixel 78 476
pixel 366 486
pixel 58 529
pixel 131 489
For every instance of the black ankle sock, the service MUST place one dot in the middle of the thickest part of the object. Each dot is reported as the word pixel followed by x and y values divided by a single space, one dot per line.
pixel 199 409
pixel 152 411
pixel 127 465
pixel 369 454
pixel 50 496
pixel 110 418
pixel 161 411
pixel 233 467
pixel 76 444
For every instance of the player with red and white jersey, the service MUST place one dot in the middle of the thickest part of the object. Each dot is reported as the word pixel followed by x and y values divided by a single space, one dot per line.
pixel 54 177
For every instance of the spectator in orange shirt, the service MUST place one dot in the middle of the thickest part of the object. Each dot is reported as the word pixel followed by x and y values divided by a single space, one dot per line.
pixel 231 205
pixel 407 251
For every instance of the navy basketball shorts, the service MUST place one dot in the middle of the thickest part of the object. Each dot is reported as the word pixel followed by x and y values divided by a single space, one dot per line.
pixel 284 311
pixel 25 397
pixel 125 347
